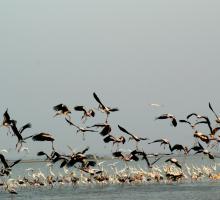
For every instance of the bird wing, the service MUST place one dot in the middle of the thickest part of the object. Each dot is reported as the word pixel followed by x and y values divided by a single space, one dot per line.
pixel 213 110
pixel 113 109
pixel 58 107
pixel 71 123
pixel 28 125
pixel 125 131
pixel 106 130
pixel 3 161
pixel 174 122
pixel 80 108
pixel 159 140
pixel 98 100
pixel 15 162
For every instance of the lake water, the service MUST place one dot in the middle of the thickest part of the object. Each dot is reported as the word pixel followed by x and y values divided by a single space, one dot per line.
pixel 202 189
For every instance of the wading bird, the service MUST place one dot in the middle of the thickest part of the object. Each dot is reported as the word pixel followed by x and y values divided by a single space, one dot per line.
pixel 103 108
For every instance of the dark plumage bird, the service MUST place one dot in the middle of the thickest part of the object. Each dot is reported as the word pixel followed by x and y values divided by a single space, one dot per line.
pixel 174 161
pixel 7 167
pixel 89 113
pixel 7 120
pixel 133 137
pixel 168 116
pixel 111 138
pixel 103 108
pixel 198 147
pixel 44 137
pixel 18 133
pixel 179 147
pixel 61 109
pixel 106 128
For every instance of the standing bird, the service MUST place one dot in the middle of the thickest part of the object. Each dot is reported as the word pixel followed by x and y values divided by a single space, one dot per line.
pixel 89 113
pixel 168 116
pixel 104 108
pixel 133 137
pixel 62 109
pixel 44 137
pixel 217 117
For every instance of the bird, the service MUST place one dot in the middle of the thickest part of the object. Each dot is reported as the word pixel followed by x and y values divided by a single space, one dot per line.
pixel 162 142
pixel 168 116
pixel 62 109
pixel 7 167
pixel 217 117
pixel 198 147
pixel 18 133
pixel 174 161
pixel 43 137
pixel 111 138
pixel 187 122
pixel 202 137
pixel 106 128
pixel 133 137
pixel 206 152
pixel 89 113
pixel 104 108
pixel 7 120
pixel 179 147
pixel 80 129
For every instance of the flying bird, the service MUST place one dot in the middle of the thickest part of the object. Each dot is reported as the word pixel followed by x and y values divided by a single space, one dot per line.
pixel 103 108
pixel 89 113
pixel 44 137
pixel 133 137
pixel 168 116
pixel 62 109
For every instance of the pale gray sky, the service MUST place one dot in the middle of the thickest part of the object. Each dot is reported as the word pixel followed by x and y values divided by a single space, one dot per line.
pixel 131 53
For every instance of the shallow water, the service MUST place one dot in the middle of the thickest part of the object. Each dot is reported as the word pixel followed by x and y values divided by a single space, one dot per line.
pixel 205 189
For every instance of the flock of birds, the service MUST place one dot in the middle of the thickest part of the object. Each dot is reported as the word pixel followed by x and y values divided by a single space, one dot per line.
pixel 79 168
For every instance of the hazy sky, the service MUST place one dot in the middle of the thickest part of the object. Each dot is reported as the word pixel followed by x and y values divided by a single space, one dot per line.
pixel 131 53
